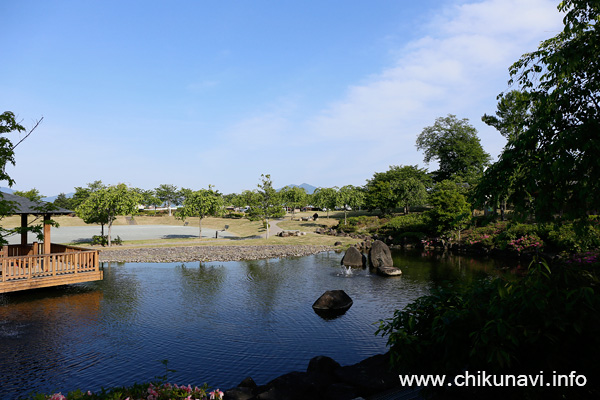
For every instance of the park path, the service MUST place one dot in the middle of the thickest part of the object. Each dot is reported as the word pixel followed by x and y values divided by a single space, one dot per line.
pixel 274 228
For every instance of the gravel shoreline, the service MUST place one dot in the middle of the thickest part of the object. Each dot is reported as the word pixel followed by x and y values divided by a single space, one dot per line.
pixel 208 253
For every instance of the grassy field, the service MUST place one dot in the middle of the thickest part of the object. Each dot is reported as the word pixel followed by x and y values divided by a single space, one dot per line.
pixel 241 227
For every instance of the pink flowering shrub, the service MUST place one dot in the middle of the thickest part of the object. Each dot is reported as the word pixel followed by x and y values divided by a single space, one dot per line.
pixel 528 242
pixel 147 391
pixel 588 258
pixel 482 236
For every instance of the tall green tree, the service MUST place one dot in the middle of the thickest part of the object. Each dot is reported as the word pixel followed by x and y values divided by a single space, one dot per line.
pixel 82 193
pixel 512 114
pixel 148 198
pixel 63 201
pixel 267 202
pixel 202 203
pixel 450 210
pixel 169 195
pixel 350 197
pixel 400 186
pixel 246 199
pixel 325 198
pixel 554 163
pixel 104 205
pixel 511 119
pixel 454 144
pixel 31 194
pixel 293 197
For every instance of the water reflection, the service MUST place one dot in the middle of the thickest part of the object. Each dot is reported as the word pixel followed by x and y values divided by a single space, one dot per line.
pixel 35 334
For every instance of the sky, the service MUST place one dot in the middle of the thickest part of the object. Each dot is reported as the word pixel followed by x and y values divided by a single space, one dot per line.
pixel 198 93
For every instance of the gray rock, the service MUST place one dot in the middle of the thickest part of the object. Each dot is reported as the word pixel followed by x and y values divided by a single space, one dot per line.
pixel 354 258
pixel 322 365
pixel 380 255
pixel 332 303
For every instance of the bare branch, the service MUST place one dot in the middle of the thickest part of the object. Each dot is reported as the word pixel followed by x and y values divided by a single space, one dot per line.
pixel 29 133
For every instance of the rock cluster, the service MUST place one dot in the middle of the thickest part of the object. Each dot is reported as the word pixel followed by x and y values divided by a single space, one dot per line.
pixel 207 253
pixel 291 233
pixel 324 379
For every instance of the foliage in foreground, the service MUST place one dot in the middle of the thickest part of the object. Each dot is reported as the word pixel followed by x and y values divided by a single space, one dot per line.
pixel 146 391
pixel 547 321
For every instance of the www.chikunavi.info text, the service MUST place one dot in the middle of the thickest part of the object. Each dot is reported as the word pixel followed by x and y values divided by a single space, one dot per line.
pixel 483 379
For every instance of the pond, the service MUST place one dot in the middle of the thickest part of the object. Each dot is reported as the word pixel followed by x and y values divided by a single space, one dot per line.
pixel 214 322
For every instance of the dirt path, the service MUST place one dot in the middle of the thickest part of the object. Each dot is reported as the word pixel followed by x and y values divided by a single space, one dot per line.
pixel 274 228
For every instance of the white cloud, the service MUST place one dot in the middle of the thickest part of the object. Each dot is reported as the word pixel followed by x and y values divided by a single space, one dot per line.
pixel 458 68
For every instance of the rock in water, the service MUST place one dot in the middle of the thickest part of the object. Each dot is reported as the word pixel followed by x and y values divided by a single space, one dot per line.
pixel 389 271
pixel 332 303
pixel 354 258
pixel 380 255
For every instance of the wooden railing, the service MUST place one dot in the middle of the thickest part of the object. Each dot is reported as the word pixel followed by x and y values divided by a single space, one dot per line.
pixel 71 260
pixel 16 250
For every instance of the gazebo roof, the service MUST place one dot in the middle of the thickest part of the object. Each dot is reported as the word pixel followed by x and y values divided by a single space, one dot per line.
pixel 23 205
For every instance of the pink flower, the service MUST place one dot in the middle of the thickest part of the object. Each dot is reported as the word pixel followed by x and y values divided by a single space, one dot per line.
pixel 216 395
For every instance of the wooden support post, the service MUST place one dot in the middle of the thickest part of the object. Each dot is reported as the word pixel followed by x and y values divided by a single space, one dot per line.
pixel 47 227
pixel 23 231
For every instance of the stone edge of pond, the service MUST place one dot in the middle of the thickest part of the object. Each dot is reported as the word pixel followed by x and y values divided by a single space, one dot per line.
pixel 325 378
pixel 208 253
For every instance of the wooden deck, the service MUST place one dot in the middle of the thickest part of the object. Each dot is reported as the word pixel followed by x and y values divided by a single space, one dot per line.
pixel 22 267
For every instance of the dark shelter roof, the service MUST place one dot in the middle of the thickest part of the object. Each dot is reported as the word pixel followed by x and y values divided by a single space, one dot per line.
pixel 23 205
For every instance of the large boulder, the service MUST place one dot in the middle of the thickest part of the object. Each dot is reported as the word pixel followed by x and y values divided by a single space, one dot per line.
pixel 380 255
pixel 354 258
pixel 370 376
pixel 332 303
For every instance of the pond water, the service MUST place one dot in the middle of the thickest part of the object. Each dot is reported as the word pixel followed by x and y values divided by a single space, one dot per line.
pixel 215 322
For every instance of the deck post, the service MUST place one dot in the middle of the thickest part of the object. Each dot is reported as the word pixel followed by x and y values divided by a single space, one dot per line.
pixel 23 229
pixel 47 234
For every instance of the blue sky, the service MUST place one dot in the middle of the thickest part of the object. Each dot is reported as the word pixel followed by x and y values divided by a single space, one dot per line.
pixel 194 93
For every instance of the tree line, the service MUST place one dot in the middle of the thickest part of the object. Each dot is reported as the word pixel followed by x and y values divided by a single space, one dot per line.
pixel 548 170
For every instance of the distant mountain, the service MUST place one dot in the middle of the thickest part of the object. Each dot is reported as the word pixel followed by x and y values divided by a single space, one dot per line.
pixel 309 188
pixel 6 190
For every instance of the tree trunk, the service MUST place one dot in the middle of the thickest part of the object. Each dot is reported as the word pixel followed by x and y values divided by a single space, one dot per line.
pixel 200 226
pixel 267 220
pixel 109 230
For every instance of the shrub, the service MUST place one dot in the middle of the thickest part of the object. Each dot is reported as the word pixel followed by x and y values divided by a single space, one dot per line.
pixel 154 391
pixel 410 237
pixel 103 240
pixel 513 232
pixel 576 237
pixel 405 223
pixel 530 242
pixel 360 223
pixel 547 321
pixel 483 236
